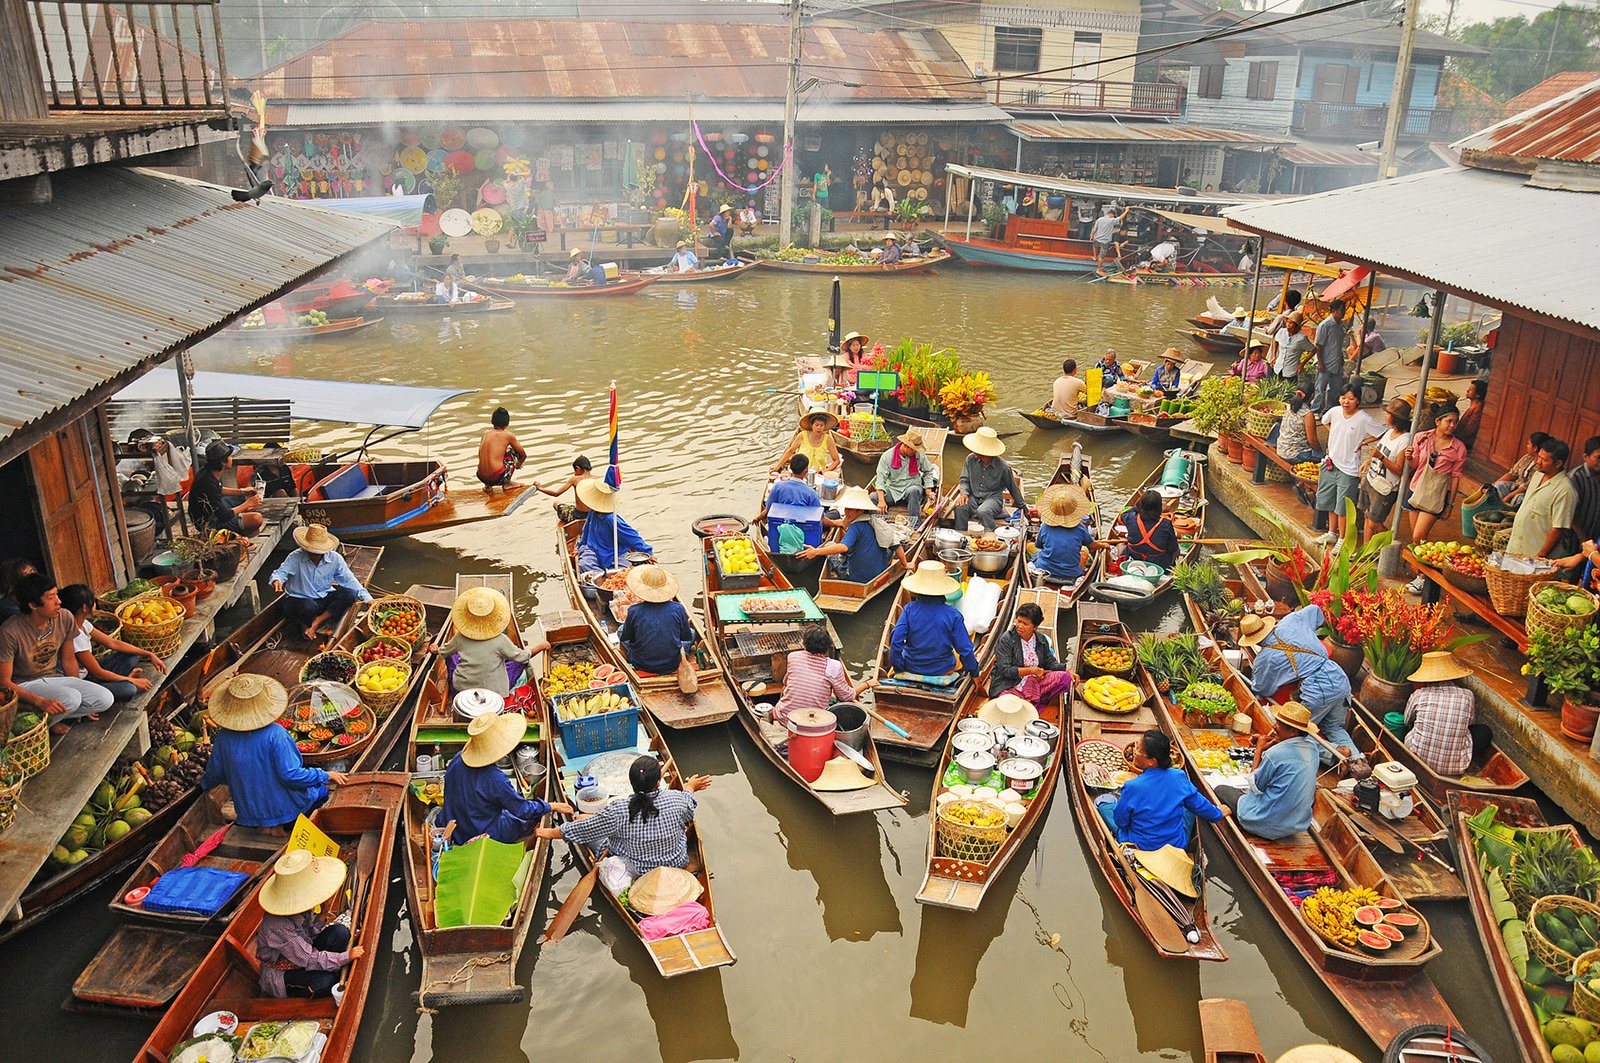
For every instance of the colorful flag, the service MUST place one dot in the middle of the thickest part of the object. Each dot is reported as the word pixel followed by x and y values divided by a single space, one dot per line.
pixel 613 471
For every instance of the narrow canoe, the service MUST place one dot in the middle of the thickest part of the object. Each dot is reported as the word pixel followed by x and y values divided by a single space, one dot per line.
pixel 1228 1033
pixel 393 304
pixel 1074 467
pixel 339 326
pixel 367 501
pixel 748 653
pixel 1215 340
pixel 984 252
pixel 1168 927
pixel 508 290
pixel 836 595
pixel 1083 421
pixel 713 703
pixel 1185 506
pixel 474 964
pixel 361 817
pixel 901 268
pixel 950 880
pixel 663 275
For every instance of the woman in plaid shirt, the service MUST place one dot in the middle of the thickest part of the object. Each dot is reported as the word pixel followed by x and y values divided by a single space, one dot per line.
pixel 1440 714
pixel 648 830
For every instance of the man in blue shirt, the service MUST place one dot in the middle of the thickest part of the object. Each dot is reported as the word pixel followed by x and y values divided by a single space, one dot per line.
pixel 1064 531
pixel 862 560
pixel 793 511
pixel 683 259
pixel 1168 379
pixel 256 759
pixel 478 797
pixel 1291 661
pixel 930 637
pixel 657 631
pixel 317 585
pixel 1282 788
pixel 1157 806
pixel 719 235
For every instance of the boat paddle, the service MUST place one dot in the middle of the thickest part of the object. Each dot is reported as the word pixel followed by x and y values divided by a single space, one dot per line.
pixel 876 715
pixel 567 914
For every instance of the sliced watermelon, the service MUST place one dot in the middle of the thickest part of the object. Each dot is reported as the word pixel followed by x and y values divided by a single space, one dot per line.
pixel 1393 933
pixel 1406 921
pixel 1373 942
pixel 1368 915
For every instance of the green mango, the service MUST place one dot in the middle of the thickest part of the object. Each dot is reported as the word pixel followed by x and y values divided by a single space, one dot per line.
pixel 1566 1054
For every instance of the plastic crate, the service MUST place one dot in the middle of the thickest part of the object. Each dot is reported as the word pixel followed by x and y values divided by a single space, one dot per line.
pixel 588 735
pixel 744 581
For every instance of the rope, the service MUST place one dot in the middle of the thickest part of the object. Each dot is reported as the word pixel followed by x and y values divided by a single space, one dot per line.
pixel 460 974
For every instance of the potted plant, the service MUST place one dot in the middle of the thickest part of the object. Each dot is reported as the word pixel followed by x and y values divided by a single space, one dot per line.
pixel 1220 410
pixel 437 244
pixel 907 211
pixel 519 225
pixel 1290 571
pixel 1394 636
pixel 1352 568
pixel 994 218
pixel 963 397
pixel 1569 664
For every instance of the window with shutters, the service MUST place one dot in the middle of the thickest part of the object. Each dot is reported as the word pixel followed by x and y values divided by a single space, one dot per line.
pixel 1262 82
pixel 1210 85
pixel 1017 49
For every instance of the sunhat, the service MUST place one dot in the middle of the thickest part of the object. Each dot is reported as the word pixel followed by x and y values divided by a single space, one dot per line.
pixel 659 891
pixel 1008 710
pixel 492 736
pixel 247 702
pixel 1257 341
pixel 1253 628
pixel 679 244
pixel 1238 311
pixel 1295 715
pixel 1172 354
pixel 1171 865
pixel 652 583
pixel 848 336
pixel 1317 1054
pixel 299 882
pixel 930 578
pixel 316 539
pixel 985 441
pixel 914 439
pixel 1439 666
pixel 481 613
pixel 856 498
pixel 841 773
pixel 1063 506
pixel 596 494
pixel 724 208
pixel 890 238
pixel 820 411
pixel 576 252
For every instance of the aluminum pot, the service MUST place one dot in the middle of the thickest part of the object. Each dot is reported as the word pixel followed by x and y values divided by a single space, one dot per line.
pixel 972 723
pixel 971 741
pixel 1028 747
pixel 975 766
pixel 944 538
pixel 1021 775
pixel 990 562
pixel 1043 729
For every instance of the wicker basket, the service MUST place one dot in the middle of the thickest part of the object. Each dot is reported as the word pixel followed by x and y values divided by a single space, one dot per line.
pixel 1543 620
pixel 1552 956
pixel 1261 417
pixel 380 640
pixel 161 639
pixel 28 754
pixel 962 841
pixel 382 704
pixel 1508 591
pixel 1277 475
pixel 412 636
pixel 1471 584
pixel 1487 524
pixel 349 658
pixel 10 793
pixel 1500 539
pixel 1094 669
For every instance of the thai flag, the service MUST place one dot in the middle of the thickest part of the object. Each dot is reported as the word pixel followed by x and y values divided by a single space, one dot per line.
pixel 613 470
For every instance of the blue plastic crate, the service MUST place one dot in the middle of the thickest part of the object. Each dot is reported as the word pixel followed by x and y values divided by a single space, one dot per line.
pixel 193 891
pixel 588 735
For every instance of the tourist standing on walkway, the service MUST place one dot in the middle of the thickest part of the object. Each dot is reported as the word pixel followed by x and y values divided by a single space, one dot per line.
pixel 1349 429
pixel 1330 341
pixel 1547 507
pixel 1290 344
pixel 1472 416
pixel 1438 459
pixel 1380 473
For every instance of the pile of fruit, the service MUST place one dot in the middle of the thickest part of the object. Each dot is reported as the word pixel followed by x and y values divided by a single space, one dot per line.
pixel 381 651
pixel 737 556
pixel 150 612
pixel 1467 564
pixel 320 730
pixel 382 678
pixel 1110 694
pixel 1213 740
pixel 1218 760
pixel 1207 699
pixel 1439 554
pixel 314 318
pixel 595 704
pixel 578 675
pixel 1308 470
pixel 1571 1039
pixel 1332 913
pixel 402 620
pixel 827 258
pixel 1109 658
pixel 335 667
pixel 973 814
pixel 1565 601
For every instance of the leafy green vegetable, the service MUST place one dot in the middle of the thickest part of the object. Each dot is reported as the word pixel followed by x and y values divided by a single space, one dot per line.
pixel 477 883
pixel 1499 897
pixel 1515 933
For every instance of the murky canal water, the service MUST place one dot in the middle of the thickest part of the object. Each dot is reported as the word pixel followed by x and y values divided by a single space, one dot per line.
pixel 837 961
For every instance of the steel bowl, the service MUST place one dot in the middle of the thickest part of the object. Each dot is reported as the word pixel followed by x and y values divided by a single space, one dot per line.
pixel 990 561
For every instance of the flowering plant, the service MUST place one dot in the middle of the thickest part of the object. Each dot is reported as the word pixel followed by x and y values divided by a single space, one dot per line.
pixel 965 395
pixel 1393 633
pixel 923 371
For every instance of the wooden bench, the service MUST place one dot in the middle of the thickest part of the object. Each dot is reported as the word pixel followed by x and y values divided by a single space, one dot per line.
pixel 236 420
pixel 626 234
pixel 1270 452
pixel 1437 582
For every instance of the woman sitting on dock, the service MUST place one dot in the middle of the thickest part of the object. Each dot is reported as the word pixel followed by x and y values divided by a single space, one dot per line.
pixel 300 954
pixel 814 439
pixel 256 759
pixel 657 632
pixel 481 649
pixel 1150 534
pixel 1064 534
pixel 648 830
pixel 1297 432
pixel 1159 805
pixel 604 533
pixel 582 470
pixel 78 600
pixel 1025 664
pixel 930 637
pixel 816 678
pixel 478 798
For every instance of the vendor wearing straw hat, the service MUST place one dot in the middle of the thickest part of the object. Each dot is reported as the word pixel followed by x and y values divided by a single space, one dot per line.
pixel 1159 805
pixel 256 759
pixel 683 259
pixel 317 584
pixel 1292 662
pixel 648 830
pixel 891 250
pixel 1276 800
pixel 1440 712
pixel 657 632
pixel 930 636
pixel 300 954
pixel 860 558
pixel 986 481
pixel 855 351
pixel 1065 513
pixel 814 439
pixel 480 646
pixel 906 475
pixel 478 798
pixel 604 533
pixel 1168 377
pixel 719 234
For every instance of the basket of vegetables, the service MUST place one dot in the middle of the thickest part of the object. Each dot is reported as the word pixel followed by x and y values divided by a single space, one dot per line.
pixel 970 830
pixel 1205 703
pixel 1562 928
pixel 398 616
pixel 1556 608
pixel 335 666
pixel 27 749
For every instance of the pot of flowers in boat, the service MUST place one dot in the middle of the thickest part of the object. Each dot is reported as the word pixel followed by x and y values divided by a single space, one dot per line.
pixel 963 399
pixel 1394 635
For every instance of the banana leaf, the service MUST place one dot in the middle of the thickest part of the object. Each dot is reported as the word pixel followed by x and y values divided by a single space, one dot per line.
pixel 477 883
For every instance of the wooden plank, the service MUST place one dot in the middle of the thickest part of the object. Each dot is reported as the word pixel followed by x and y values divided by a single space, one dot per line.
pixel 1479 606
pixel 1228 1033
pixel 142 966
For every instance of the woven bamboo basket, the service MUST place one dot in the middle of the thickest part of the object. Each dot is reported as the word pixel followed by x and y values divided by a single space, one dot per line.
pixel 1275 474
pixel 1260 418
pixel 10 792
pixel 383 703
pixel 1487 524
pixel 1551 955
pixel 1500 539
pixel 161 639
pixel 376 609
pixel 963 841
pixel 1471 584
pixel 1584 1000
pixel 1508 591
pixel 352 662
pixel 1541 619
pixel 28 754
pixel 381 640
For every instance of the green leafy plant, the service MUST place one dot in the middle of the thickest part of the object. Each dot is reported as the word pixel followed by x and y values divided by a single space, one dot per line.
pixel 1202 581
pixel 994 215
pixel 1353 567
pixel 477 883
pixel 1220 405
pixel 1569 662
pixel 923 371
pixel 1174 659
pixel 907 210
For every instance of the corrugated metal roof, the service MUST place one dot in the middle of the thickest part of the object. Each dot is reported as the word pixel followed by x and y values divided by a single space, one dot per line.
pixel 124 266
pixel 1311 155
pixel 568 59
pixel 1489 236
pixel 1330 28
pixel 1130 133
pixel 1565 129
pixel 1102 190
pixel 1551 87
pixel 574 112
pixel 339 401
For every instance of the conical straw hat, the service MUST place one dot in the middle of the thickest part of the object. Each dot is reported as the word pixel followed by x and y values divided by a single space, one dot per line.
pixel 1439 666
pixel 652 583
pixel 930 578
pixel 1171 865
pixel 597 495
pixel 659 891
pixel 1008 710
pixel 856 498
pixel 841 773
pixel 481 613
pixel 299 882
pixel 985 441
pixel 247 702
pixel 492 736
pixel 1063 506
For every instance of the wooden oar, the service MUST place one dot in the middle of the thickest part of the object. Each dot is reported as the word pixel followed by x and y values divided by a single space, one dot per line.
pixel 567 914
pixel 876 715
pixel 1384 835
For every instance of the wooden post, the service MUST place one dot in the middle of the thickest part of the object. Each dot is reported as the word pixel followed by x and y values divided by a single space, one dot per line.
pixel 22 81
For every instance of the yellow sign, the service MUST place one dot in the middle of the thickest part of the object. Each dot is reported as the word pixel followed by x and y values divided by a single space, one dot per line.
pixel 1091 395
pixel 308 836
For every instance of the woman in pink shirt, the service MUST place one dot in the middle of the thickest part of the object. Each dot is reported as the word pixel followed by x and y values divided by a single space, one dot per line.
pixel 1447 455
pixel 815 677
pixel 1253 366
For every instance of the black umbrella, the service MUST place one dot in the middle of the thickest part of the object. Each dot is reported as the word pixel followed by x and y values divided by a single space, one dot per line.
pixel 833 319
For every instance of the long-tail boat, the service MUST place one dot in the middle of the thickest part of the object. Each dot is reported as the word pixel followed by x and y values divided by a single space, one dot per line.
pixel 364 500
pixel 1228 1033
pixel 863 269
pixel 1183 502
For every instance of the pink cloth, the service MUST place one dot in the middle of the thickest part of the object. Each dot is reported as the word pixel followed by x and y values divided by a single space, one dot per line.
pixel 812 682
pixel 1041 690
pixel 1451 460
pixel 894 462
pixel 683 919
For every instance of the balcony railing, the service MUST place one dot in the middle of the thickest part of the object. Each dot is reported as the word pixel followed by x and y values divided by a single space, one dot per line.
pixel 1315 118
pixel 164 56
pixel 1089 97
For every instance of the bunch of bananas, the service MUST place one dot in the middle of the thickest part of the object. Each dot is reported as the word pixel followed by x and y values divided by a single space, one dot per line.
pixel 565 678
pixel 1332 913
pixel 1110 694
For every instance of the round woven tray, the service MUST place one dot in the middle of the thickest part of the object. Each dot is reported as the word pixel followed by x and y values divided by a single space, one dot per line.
pixel 1090 670
pixel 1541 619
pixel 376 607
pixel 1553 957
pixel 349 658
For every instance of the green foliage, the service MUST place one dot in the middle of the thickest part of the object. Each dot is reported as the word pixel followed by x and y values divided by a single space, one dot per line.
pixel 1175 658
pixel 1569 661
pixel 477 883
pixel 1202 581
pixel 1523 52
pixel 923 370
pixel 1220 404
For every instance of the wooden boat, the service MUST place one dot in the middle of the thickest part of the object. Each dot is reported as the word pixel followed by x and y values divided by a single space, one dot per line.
pixel 266 643
pixel 401 305
pixel 1217 341
pixel 1085 420
pixel 1523 814
pixel 1156 426
pixel 1186 506
pixel 950 881
pixel 1189 278
pixel 836 595
pixel 1175 927
pixel 1027 243
pixel 713 703
pixel 1073 468
pixel 361 817
pixel 151 955
pixel 364 501
pixel 698 950
pixel 1489 774
pixel 926 711
pixel 1228 1033
pixel 338 326
pixel 665 274
pixel 866 269
pixel 336 298
pixel 540 289
pixel 436 603
pixel 748 651
pixel 467 964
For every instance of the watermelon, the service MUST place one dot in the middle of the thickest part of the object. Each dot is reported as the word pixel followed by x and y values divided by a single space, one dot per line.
pixel 1390 904
pixel 1368 915
pixel 1373 942
pixel 1389 931
pixel 1406 921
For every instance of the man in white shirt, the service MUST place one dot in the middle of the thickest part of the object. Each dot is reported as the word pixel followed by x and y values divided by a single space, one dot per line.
pixel 1164 254
pixel 1548 505
pixel 1290 346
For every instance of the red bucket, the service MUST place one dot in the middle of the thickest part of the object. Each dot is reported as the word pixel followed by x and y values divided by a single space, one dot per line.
pixel 811 734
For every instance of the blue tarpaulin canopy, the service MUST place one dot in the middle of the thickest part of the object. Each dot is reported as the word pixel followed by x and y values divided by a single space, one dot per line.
pixel 390 405
pixel 402 210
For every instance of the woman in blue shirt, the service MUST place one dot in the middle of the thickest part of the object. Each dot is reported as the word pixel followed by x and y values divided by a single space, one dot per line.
pixel 256 759
pixel 930 637
pixel 478 798
pixel 604 533
pixel 1157 806
pixel 861 559
pixel 657 630
pixel 1168 378
pixel 1064 531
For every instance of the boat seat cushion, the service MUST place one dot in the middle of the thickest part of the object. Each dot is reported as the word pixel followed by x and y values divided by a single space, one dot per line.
pixel 349 483
pixel 370 491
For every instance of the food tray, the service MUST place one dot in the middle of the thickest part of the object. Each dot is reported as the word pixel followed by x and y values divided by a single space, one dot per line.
pixel 730 607
pixel 766 643
pixel 737 581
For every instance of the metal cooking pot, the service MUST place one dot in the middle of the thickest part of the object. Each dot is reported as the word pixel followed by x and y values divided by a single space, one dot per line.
pixel 948 537
pixel 1029 747
pixel 972 723
pixel 971 741
pixel 975 766
pixel 1021 775
pixel 1043 729
pixel 990 561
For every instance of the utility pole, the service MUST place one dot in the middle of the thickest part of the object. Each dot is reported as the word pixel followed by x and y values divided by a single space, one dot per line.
pixel 1401 95
pixel 790 102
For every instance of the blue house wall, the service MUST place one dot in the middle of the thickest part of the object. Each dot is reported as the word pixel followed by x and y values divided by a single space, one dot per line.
pixel 1377 79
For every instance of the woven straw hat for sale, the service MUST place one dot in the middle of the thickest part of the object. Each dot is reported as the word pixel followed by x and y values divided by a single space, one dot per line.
pixel 659 891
